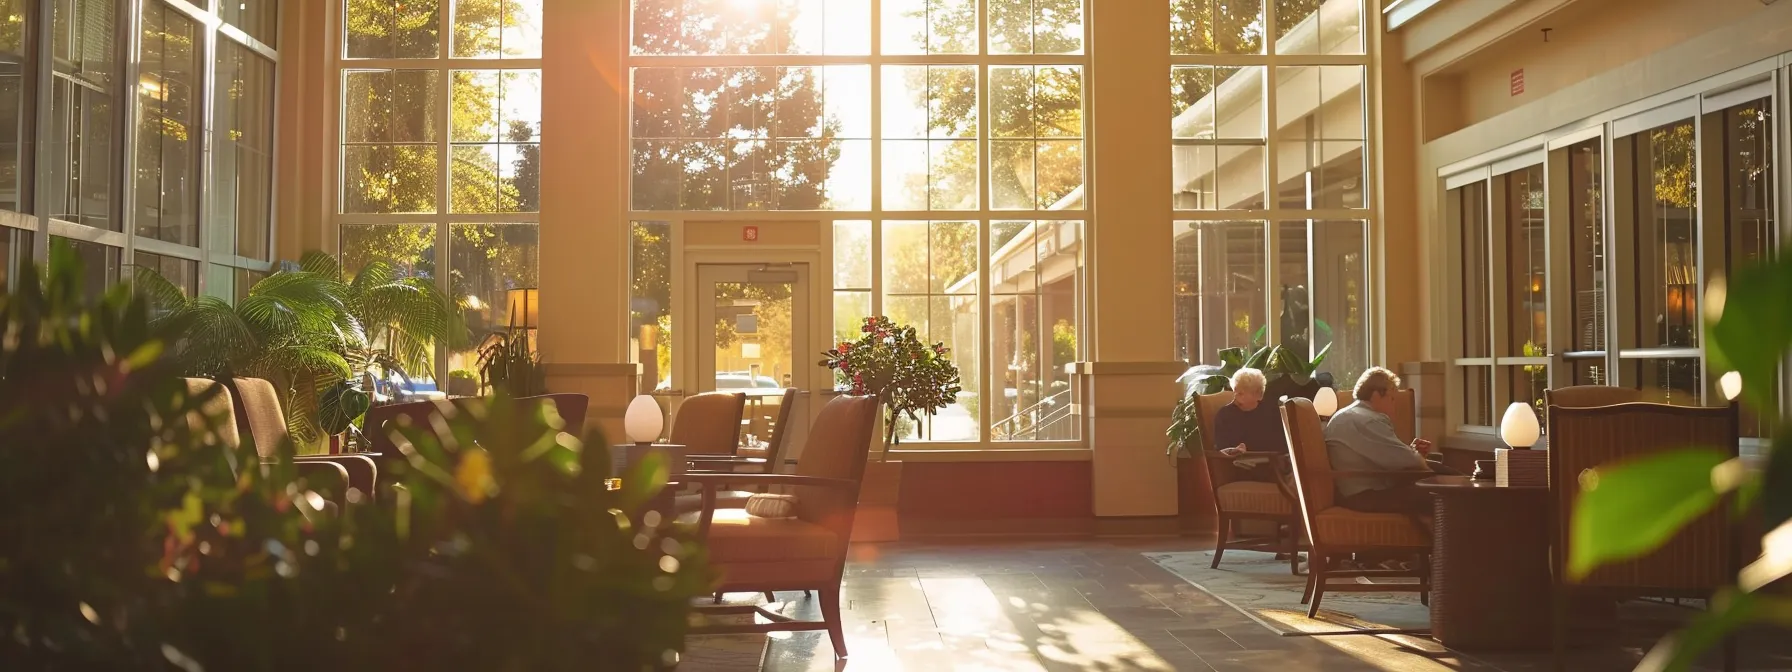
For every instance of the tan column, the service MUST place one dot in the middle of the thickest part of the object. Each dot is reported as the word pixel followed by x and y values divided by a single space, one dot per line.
pixel 304 102
pixel 1131 384
pixel 584 256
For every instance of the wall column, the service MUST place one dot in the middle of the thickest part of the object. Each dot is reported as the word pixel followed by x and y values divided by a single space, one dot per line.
pixel 1130 382
pixel 584 255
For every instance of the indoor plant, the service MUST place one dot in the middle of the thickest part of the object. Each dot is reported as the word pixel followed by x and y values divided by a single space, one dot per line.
pixel 1285 373
pixel 909 378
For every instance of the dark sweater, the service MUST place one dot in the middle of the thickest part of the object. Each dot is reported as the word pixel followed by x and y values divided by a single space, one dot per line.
pixel 1259 429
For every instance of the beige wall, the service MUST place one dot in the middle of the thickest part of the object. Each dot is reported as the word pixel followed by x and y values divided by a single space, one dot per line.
pixel 305 105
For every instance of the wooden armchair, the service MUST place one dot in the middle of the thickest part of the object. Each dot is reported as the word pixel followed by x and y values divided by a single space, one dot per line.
pixel 1587 396
pixel 1335 531
pixel 808 552
pixel 742 464
pixel 709 423
pixel 1235 501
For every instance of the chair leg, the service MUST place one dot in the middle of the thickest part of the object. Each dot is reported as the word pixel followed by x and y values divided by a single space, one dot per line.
pixel 1219 545
pixel 718 599
pixel 1316 581
pixel 1306 596
pixel 830 612
pixel 769 597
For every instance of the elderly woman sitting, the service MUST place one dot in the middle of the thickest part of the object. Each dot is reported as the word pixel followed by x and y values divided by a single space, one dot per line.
pixel 1249 425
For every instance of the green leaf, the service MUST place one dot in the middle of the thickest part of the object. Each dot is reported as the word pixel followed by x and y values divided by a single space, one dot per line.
pixel 1776 479
pixel 1729 611
pixel 1755 329
pixel 1630 508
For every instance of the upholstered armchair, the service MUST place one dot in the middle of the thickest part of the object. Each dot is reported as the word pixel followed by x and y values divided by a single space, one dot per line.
pixel 1236 501
pixel 571 407
pixel 799 553
pixel 741 463
pixel 257 409
pixel 1335 531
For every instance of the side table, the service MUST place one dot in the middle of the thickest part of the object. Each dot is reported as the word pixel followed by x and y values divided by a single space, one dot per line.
pixel 1490 577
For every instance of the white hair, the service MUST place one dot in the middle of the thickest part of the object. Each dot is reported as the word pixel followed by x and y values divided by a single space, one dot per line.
pixel 1249 379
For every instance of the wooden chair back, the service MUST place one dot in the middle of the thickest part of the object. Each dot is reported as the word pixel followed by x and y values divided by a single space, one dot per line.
pixel 1312 463
pixel 839 443
pixel 1587 396
pixel 1698 559
pixel 781 431
pixel 709 423
pixel 1405 415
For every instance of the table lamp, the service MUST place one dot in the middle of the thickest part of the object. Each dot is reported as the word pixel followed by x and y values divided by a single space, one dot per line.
pixel 1519 428
pixel 1325 402
pixel 642 421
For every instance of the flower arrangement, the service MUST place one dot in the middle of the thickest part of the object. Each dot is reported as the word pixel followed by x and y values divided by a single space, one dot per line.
pixel 908 376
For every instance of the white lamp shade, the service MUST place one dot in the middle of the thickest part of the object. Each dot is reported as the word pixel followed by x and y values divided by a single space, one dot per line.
pixel 1519 427
pixel 1326 402
pixel 643 421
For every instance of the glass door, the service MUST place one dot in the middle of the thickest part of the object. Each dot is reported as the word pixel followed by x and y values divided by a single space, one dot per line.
pixel 752 337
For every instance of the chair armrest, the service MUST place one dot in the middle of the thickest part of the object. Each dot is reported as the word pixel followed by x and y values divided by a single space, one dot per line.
pixel 708 482
pixel 314 471
pixel 363 471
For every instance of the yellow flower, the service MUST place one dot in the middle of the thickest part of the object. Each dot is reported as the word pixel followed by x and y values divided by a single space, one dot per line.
pixel 474 474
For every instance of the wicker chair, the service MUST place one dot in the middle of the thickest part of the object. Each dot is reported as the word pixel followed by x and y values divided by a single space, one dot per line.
pixel 1335 531
pixel 1698 560
pixel 1238 501
pixel 1586 396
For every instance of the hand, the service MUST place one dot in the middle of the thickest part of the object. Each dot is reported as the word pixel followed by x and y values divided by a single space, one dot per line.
pixel 1233 451
pixel 1421 445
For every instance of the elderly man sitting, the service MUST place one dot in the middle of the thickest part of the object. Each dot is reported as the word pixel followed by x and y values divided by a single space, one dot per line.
pixel 1361 438
pixel 1248 424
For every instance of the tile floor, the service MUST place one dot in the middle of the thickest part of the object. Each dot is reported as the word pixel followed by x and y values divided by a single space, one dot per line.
pixel 1092 605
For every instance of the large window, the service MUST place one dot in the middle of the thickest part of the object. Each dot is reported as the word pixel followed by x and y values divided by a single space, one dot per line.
pixel 1267 142
pixel 139 163
pixel 945 160
pixel 1588 263
pixel 441 158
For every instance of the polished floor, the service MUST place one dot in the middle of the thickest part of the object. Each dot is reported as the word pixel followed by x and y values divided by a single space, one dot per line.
pixel 1095 605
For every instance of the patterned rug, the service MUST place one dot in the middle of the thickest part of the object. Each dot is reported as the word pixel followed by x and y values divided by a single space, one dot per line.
pixel 726 653
pixel 1262 588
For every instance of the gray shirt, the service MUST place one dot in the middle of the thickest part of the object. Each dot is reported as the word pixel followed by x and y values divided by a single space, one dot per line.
pixel 1360 438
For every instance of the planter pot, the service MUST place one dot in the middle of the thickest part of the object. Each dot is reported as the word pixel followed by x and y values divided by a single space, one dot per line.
pixel 879 495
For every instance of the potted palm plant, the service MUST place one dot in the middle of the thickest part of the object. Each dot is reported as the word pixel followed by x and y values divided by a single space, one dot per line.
pixel 910 378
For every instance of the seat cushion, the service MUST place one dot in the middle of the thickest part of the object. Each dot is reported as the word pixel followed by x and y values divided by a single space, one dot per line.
pixel 1338 526
pixel 736 537
pixel 725 499
pixel 1255 497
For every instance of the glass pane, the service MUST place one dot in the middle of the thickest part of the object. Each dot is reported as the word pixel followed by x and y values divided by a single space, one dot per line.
pixel 182 273
pixel 1527 271
pixel 1667 266
pixel 80 139
pixel 1319 111
pixel 15 250
pixel 1588 371
pixel 1527 383
pixel 852 255
pixel 504 29
pixel 709 27
pixel 952 258
pixel 389 179
pixel 1748 208
pixel 18 56
pixel 390 105
pixel 753 342
pixel 494 280
pixel 1667 381
pixel 393 29
pixel 1335 302
pixel 1035 269
pixel 1471 217
pixel 1208 102
pixel 1319 27
pixel 242 170
pixel 1217 177
pixel 850 310
pixel 906 263
pixel 99 264
pixel 411 250
pixel 952 321
pixel 1218 285
pixel 1035 26
pixel 650 302
pixel 1216 27
pixel 259 18
pixel 1477 396
pixel 168 121
pixel 1031 102
pixel 930 26
pixel 1586 230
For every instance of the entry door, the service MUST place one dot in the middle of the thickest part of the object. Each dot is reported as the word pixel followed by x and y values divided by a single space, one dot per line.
pixel 753 337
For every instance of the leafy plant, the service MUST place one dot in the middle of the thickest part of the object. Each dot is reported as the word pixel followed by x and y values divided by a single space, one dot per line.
pixel 1276 362
pixel 509 363
pixel 908 376
pixel 1639 505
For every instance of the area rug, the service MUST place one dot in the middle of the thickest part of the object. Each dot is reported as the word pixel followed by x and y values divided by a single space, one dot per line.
pixel 1261 588
pixel 725 653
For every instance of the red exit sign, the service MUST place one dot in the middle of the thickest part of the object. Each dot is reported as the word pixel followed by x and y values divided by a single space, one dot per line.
pixel 749 234
pixel 1518 81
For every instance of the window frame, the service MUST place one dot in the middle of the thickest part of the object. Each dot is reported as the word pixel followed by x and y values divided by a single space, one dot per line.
pixel 983 216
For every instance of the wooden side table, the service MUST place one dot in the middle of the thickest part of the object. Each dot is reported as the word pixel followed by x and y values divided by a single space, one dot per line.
pixel 1490 578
